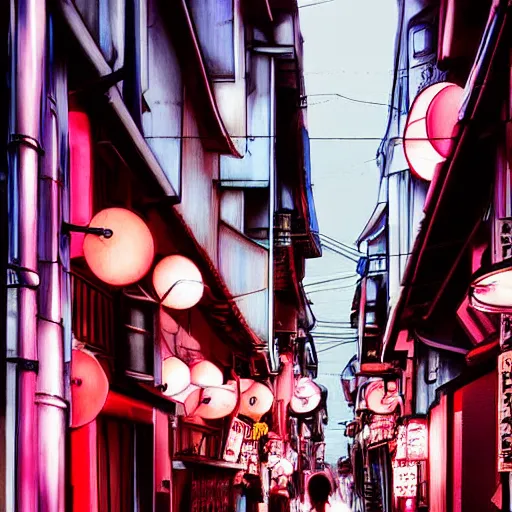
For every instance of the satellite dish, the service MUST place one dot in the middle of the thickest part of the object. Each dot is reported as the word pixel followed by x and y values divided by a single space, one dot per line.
pixel 89 388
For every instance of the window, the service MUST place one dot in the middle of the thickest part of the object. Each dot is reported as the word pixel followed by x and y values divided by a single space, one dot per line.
pixel 422 41
pixel 125 465
pixel 214 25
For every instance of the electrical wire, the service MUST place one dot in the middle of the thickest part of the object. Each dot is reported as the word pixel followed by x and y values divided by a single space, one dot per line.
pixel 355 100
pixel 335 346
pixel 351 275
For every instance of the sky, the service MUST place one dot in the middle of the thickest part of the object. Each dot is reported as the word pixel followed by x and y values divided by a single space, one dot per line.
pixel 348 50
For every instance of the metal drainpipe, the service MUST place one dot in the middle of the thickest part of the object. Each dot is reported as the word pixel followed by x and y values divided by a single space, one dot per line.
pixel 50 384
pixel 29 44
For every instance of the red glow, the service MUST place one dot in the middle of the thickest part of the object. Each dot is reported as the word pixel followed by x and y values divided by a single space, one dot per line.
pixel 419 152
pixel 89 388
pixel 442 116
pixel 80 162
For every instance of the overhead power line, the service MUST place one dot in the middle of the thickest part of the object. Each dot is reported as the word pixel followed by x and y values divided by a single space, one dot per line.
pixel 355 100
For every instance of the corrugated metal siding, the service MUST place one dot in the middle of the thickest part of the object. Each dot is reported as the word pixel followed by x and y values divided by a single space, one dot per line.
pixel 162 124
pixel 256 163
pixel 244 266
pixel 200 204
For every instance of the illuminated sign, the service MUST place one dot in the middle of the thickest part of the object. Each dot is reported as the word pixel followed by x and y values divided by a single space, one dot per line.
pixel 405 479
pixel 412 440
pixel 382 428
pixel 237 433
pixel 505 411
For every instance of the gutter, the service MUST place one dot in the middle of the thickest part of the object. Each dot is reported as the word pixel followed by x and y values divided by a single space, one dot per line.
pixel 79 30
pixel 475 86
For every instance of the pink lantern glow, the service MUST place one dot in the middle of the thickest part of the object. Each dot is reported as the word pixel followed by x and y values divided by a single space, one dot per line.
pixel 178 282
pixel 382 397
pixel 421 155
pixel 491 292
pixel 306 396
pixel 89 388
pixel 206 374
pixel 127 256
pixel 256 401
pixel 442 116
pixel 217 402
pixel 175 375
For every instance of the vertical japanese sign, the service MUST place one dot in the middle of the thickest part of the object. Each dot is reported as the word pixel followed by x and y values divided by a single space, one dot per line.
pixel 506 332
pixel 503 245
pixel 405 479
pixel 237 433
pixel 505 411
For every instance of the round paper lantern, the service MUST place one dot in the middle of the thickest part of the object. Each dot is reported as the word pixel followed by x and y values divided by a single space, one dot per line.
pixel 306 396
pixel 382 398
pixel 178 282
pixel 217 402
pixel 491 291
pixel 89 388
pixel 256 401
pixel 206 374
pixel 421 155
pixel 176 375
pixel 442 117
pixel 127 255
pixel 245 384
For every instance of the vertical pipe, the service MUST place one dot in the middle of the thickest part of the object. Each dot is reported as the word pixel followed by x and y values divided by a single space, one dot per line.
pixel 30 39
pixel 274 364
pixel 50 384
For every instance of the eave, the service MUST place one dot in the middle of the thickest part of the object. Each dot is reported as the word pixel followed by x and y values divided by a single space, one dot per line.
pixel 212 129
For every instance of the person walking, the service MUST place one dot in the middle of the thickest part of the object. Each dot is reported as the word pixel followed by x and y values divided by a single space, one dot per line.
pixel 320 491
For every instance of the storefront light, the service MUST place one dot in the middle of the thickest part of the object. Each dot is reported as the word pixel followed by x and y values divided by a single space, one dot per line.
pixel 256 401
pixel 175 376
pixel 431 127
pixel 178 282
pixel 491 289
pixel 206 374
pixel 217 402
pixel 120 250
pixel 89 388
pixel 412 440
pixel 122 253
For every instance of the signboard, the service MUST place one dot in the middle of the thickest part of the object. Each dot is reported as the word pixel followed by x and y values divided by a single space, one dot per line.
pixel 382 428
pixel 506 332
pixel 237 433
pixel 505 411
pixel 405 479
pixel 503 239
pixel 249 456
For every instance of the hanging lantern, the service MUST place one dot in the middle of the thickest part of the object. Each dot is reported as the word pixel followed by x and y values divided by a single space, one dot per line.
pixel 126 256
pixel 382 397
pixel 178 282
pixel 306 397
pixel 175 376
pixel 491 289
pixel 89 388
pixel 256 401
pixel 431 125
pixel 442 117
pixel 206 374
pixel 217 402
